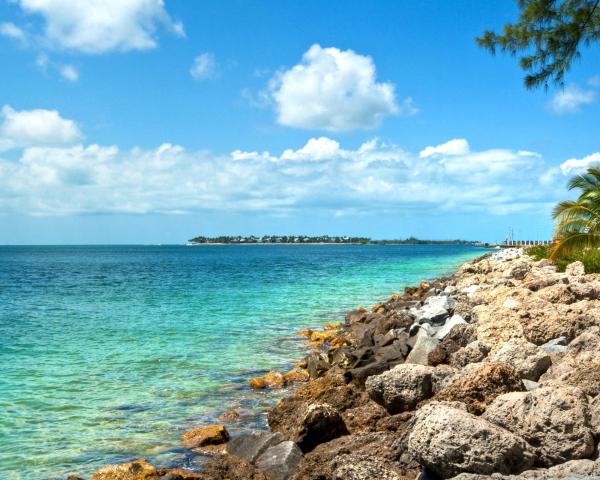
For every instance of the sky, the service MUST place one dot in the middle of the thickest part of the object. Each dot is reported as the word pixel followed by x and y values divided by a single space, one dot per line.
pixel 143 121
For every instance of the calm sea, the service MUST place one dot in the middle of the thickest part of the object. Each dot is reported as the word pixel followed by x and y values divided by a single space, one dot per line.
pixel 110 352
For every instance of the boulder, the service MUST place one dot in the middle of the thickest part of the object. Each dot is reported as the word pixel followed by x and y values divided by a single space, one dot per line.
pixel 317 363
pixel 479 388
pixel 554 420
pixel 310 424
pixel 518 270
pixel 434 310
pixel 136 470
pixel 575 269
pixel 423 346
pixel 200 437
pixel 364 418
pixel 449 325
pixel 231 467
pixel 402 387
pixel 572 470
pixel 279 462
pixel 251 446
pixel 450 441
pixel 473 352
pixel 595 416
pixel 529 360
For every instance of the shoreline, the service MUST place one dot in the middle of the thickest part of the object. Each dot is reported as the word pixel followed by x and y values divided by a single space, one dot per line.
pixel 437 365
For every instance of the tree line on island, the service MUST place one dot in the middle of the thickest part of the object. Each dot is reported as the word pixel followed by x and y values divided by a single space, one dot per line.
pixel 305 239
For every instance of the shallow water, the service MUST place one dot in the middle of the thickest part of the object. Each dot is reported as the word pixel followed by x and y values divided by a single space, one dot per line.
pixel 110 352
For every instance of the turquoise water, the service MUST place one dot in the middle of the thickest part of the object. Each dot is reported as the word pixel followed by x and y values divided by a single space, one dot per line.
pixel 111 352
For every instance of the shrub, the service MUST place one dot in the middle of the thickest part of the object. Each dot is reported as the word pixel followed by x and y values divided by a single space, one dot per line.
pixel 589 258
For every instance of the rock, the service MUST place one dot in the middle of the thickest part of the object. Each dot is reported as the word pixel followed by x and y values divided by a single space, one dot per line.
pixel 137 470
pixel 178 474
pixel 295 375
pixel 479 388
pixel 280 461
pixel 474 352
pixel 423 346
pixel 459 336
pixel 200 437
pixel 450 441
pixel 575 269
pixel 555 346
pixel 310 424
pixel 317 364
pixel 363 467
pixel 554 420
pixel 595 416
pixel 572 470
pixel 258 383
pixel 434 310
pixel 229 416
pixel 360 374
pixel 529 360
pixel 251 446
pixel 364 418
pixel 518 270
pixel 529 385
pixel 449 325
pixel 232 467
pixel 402 387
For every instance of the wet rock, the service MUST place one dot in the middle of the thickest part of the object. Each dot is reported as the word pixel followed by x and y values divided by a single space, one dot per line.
pixel 402 387
pixel 280 461
pixel 251 446
pixel 137 470
pixel 553 420
pixel 232 467
pixel 479 388
pixel 200 437
pixel 317 363
pixel 450 441
pixel 178 474
pixel 229 416
pixel 423 347
pixel 529 360
pixel 309 425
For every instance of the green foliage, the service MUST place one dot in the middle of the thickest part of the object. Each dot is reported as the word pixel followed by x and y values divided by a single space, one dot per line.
pixel 589 258
pixel 548 35
pixel 578 221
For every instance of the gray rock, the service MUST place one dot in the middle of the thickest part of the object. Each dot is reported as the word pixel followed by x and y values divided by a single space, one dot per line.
pixel 572 470
pixel 450 323
pixel 555 346
pixel 435 309
pixel 402 387
pixel 317 363
pixel 529 360
pixel 251 446
pixel 450 441
pixel 555 420
pixel 423 345
pixel 530 385
pixel 281 461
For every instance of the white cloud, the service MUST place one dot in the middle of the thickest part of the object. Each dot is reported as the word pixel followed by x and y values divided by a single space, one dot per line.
pixel 458 146
pixel 69 72
pixel 570 99
pixel 10 30
pixel 578 165
pixel 36 127
pixel 332 90
pixel 99 26
pixel 320 175
pixel 204 67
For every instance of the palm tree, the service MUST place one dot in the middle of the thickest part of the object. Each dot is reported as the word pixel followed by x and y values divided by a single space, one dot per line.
pixel 578 221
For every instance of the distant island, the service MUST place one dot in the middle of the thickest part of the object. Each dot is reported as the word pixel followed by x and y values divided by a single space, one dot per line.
pixel 321 239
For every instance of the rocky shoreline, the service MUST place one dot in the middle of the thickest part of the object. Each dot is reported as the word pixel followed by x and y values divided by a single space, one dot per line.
pixel 493 372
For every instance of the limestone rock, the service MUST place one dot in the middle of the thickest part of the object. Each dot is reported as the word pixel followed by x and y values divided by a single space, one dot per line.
pixel 402 387
pixel 554 420
pixel 595 416
pixel 529 360
pixel 200 437
pixel 473 352
pixel 572 470
pixel 137 470
pixel 362 467
pixel 479 388
pixel 450 441
pixel 575 269
pixel 280 461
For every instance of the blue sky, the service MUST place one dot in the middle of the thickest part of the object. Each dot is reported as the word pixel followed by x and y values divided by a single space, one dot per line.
pixel 138 121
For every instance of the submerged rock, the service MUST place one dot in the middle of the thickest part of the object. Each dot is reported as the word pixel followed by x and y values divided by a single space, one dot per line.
pixel 137 470
pixel 201 437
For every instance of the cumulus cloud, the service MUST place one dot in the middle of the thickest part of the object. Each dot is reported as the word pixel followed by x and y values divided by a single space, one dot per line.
pixel 333 90
pixel 578 165
pixel 99 26
pixel 204 67
pixel 10 30
pixel 36 127
pixel 320 175
pixel 458 146
pixel 571 99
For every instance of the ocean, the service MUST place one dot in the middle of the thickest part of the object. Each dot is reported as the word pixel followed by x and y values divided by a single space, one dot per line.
pixel 109 353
